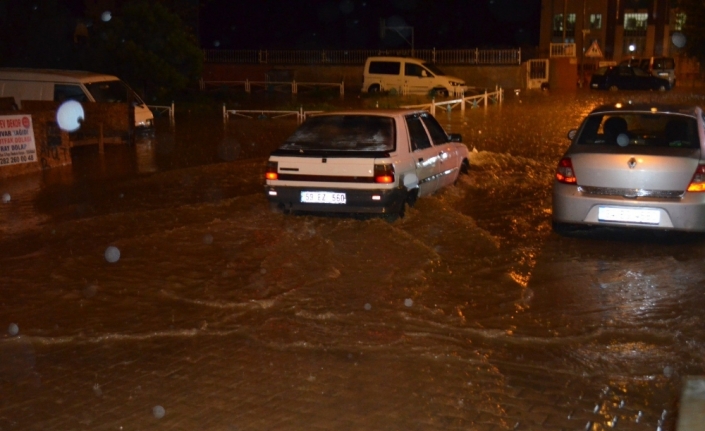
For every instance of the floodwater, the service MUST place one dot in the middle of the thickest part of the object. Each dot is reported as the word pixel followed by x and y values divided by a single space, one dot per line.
pixel 467 314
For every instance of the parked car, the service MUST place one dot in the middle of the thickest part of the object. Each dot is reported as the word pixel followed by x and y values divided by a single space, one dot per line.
pixel 366 161
pixel 634 166
pixel 408 75
pixel 626 78
pixel 662 67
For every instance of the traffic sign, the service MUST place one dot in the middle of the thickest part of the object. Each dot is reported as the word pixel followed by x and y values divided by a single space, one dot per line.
pixel 594 50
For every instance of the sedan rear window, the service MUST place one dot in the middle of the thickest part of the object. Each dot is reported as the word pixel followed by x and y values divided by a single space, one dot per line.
pixel 640 129
pixel 343 133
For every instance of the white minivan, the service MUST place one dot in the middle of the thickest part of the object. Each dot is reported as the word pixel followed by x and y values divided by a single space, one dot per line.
pixel 407 75
pixel 59 85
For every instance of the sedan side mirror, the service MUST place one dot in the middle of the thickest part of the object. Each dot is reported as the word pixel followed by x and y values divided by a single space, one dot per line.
pixel 455 137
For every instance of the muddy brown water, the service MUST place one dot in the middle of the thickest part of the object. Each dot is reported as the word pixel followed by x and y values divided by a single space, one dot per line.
pixel 468 313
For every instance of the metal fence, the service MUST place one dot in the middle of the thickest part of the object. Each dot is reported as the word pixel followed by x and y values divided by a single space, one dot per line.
pixel 439 56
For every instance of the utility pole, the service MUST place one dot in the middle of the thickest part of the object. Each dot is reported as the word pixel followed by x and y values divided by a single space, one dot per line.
pixel 398 29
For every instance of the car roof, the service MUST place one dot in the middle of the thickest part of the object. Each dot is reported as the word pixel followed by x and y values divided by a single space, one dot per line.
pixel 691 110
pixel 53 75
pixel 378 112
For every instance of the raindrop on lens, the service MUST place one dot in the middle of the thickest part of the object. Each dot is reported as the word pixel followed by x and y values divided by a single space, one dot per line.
pixel 13 329
pixel 5 198
pixel 678 39
pixel 368 307
pixel 69 115
pixel 112 254
pixel 106 16
pixel 208 239
pixel 158 412
pixel 668 371
pixel 408 302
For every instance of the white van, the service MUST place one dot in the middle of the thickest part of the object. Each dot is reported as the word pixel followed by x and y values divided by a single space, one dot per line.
pixel 60 85
pixel 408 75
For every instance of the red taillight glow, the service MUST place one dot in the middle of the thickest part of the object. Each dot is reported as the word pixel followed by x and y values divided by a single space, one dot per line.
pixel 271 172
pixel 697 184
pixel 565 173
pixel 384 174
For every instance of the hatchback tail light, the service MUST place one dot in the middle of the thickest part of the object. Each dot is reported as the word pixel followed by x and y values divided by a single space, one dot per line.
pixel 271 173
pixel 697 184
pixel 565 173
pixel 384 174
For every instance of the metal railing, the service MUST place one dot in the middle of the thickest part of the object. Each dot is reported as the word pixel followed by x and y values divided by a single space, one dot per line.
pixel 439 56
pixel 562 50
pixel 496 97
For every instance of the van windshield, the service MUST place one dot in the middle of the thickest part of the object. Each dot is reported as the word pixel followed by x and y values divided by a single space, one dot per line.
pixel 433 68
pixel 112 92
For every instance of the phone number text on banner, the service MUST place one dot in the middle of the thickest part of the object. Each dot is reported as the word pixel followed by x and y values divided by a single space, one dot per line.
pixel 16 140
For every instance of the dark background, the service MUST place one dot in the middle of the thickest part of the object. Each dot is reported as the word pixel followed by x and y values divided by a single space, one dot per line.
pixel 355 24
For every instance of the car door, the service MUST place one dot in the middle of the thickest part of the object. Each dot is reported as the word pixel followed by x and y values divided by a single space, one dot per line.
pixel 424 154
pixel 417 79
pixel 448 158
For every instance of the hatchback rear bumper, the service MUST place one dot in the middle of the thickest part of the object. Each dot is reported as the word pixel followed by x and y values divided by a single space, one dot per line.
pixel 369 201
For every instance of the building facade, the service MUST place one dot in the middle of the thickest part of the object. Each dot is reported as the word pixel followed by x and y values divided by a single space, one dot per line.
pixel 620 28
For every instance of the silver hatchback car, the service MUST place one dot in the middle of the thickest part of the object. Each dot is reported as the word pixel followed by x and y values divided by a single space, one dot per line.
pixel 634 166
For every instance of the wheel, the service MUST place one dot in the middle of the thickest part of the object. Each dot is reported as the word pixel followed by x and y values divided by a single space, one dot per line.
pixel 464 170
pixel 440 91
pixel 374 88
pixel 662 87
pixel 613 88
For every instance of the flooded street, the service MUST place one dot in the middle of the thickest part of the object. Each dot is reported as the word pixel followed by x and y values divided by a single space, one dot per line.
pixel 467 314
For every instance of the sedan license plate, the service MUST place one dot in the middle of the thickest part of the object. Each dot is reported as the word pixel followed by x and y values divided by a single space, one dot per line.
pixel 323 197
pixel 629 215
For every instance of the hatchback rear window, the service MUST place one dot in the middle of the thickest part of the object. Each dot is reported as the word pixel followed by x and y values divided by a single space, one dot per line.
pixel 640 129
pixel 343 133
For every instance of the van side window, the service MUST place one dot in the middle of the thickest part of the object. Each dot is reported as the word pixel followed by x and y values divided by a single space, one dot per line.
pixel 411 69
pixel 68 92
pixel 438 135
pixel 385 67
pixel 417 133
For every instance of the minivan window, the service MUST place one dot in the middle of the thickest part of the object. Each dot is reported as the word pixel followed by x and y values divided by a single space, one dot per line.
pixel 411 69
pixel 69 92
pixel 385 67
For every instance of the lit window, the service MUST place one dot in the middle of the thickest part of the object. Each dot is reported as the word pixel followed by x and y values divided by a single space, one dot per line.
pixel 679 21
pixel 635 21
pixel 595 21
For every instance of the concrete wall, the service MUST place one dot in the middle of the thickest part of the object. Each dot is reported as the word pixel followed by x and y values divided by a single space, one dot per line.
pixel 476 76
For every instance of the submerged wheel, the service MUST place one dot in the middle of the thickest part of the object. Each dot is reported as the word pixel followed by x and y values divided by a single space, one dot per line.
pixel 374 88
pixel 440 91
pixel 662 88
pixel 464 170
pixel 613 88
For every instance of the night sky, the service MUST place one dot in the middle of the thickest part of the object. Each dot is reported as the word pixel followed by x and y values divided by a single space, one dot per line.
pixel 355 24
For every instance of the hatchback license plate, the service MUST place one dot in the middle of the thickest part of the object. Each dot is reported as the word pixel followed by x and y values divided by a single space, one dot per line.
pixel 323 197
pixel 629 215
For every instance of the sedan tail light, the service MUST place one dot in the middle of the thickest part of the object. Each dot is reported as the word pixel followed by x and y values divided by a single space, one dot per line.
pixel 384 174
pixel 271 172
pixel 565 173
pixel 697 184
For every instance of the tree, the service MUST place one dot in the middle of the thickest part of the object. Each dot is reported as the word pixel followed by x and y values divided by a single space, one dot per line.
pixel 146 45
pixel 694 28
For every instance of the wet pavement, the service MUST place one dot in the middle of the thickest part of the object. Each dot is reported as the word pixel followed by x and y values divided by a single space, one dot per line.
pixel 468 313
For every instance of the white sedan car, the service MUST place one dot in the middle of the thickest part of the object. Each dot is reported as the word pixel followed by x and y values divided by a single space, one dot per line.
pixel 367 161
